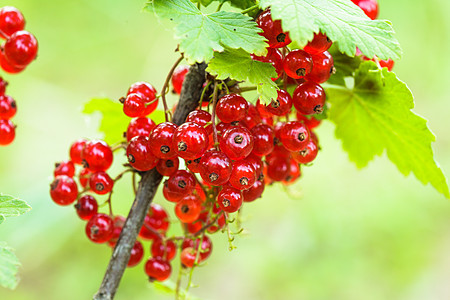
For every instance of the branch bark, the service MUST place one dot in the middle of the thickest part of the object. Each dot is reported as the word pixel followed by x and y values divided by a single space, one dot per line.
pixel 190 95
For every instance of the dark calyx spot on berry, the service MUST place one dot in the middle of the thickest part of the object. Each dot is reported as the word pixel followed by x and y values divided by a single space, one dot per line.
pixel 301 72
pixel 164 149
pixel 122 100
pixel 238 139
pixel 54 184
pixel 77 205
pixel 94 229
pixel 169 163
pixel 99 186
pixel 84 163
pixel 182 146
pixel 234 123
pixel 301 136
pixel 13 104
pixel 275 103
pixel 281 37
pixel 243 181
pixel 197 160
pixel 276 141
pixel 184 209
pixel 318 109
pixel 226 202
pixel 328 40
pixel 188 162
pixel 151 279
pixel 304 152
pixel 333 70
pixel 288 178
pixel 131 158
pixel 213 177
pixel 57 165
pixel 124 134
pixel 261 177
pixel 182 184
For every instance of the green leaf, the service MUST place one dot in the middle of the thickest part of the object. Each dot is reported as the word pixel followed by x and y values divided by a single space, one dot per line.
pixel 375 116
pixel 205 3
pixel 12 207
pixel 242 4
pixel 342 21
pixel 238 65
pixel 9 265
pixel 345 66
pixel 202 34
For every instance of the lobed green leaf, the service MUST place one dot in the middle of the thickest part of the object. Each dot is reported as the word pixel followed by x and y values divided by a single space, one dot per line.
pixel 12 207
pixel 9 265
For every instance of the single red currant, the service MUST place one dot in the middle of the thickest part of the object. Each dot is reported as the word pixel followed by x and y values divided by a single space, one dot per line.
pixel 215 168
pixel 230 199
pixel 7 132
pixel 100 183
pixel 190 140
pixel 134 105
pixel 97 156
pixel 307 154
pixel 168 167
pixel 84 177
pixel 21 48
pixel 161 139
pixel 188 256
pixel 164 249
pixel 11 21
pixel 140 127
pixel 139 154
pixel 76 151
pixel 309 121
pixel 9 67
pixel 263 136
pixel 99 228
pixel 64 168
pixel 309 98
pixel 280 106
pixel 369 7
pixel 202 118
pixel 231 107
pixel 137 252
pixel 148 93
pixel 294 173
pixel 188 209
pixel 158 269
pixel 86 207
pixel 8 107
pixel 236 142
pixel 156 220
pixel 180 184
pixel 297 64
pixel 323 67
pixel 3 84
pixel 252 118
pixel 294 135
pixel 319 44
pixel 205 247
pixel 119 221
pixel 243 175
pixel 274 57
pixel 178 78
pixel 254 192
pixel 272 30
pixel 63 190
pixel 278 168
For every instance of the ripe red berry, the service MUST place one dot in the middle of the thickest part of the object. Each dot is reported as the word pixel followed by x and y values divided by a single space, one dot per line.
pixel 310 121
pixel 180 184
pixel 178 78
pixel 3 84
pixel 11 21
pixel 164 249
pixel 99 228
pixel 202 118
pixel 294 135
pixel 168 167
pixel 243 175
pixel 230 199
pixel 370 7
pixel 272 30
pixel 156 219
pixel 7 132
pixel 190 140
pixel 100 183
pixel 86 207
pixel 307 154
pixel 309 98
pixel 294 173
pixel 64 168
pixel 84 176
pixel 254 192
pixel 148 93
pixel 297 64
pixel 134 105
pixel 231 107
pixel 188 256
pixel 140 127
pixel 161 139
pixel 76 151
pixel 278 168
pixel 236 142
pixel 188 209
pixel 280 106
pixel 322 69
pixel 205 247
pixel 137 252
pixel 97 156
pixel 9 67
pixel 215 168
pixel 263 136
pixel 252 118
pixel 21 48
pixel 8 107
pixel 119 221
pixel 274 57
pixel 139 154
pixel 158 269
pixel 319 44
pixel 63 190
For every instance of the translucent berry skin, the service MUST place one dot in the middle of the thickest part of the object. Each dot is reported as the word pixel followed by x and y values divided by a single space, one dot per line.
pixel 148 93
pixel 252 118
pixel 119 221
pixel 278 168
pixel 309 98
pixel 274 57
pixel 134 105
pixel 8 66
pixel 11 21
pixel 76 151
pixel 294 135
pixel 137 252
pixel 180 184
pixel 63 190
pixel 311 122
pixel 178 78
pixel 158 269
pixel 297 64
pixel 21 48
pixel 370 7
pixel 236 142
pixel 188 209
pixel 168 167
pixel 272 30
pixel 64 168
pixel 8 107
pixel 188 256
pixel 7 132
pixel 139 155
pixel 294 173
pixel 307 154
pixel 205 248
pixel 99 228
pixel 202 118
pixel 100 183
pixel 140 127
pixel 215 168
pixel 164 249
pixel 280 106
pixel 254 192
pixel 157 219
pixel 229 199
pixel 231 107
pixel 190 140
pixel 323 68
pixel 161 139
pixel 3 84
pixel 243 175
pixel 263 136
pixel 319 44
pixel 97 156
pixel 84 176
pixel 86 207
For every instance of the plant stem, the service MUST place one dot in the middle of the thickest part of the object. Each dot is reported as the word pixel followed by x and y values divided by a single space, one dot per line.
pixel 213 118
pixel 249 9
pixel 165 86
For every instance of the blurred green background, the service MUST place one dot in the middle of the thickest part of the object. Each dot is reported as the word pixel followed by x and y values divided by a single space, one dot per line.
pixel 369 234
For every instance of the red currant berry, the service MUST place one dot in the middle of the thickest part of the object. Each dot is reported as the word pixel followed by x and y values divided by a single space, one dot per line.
pixel 148 93
pixel 178 78
pixel 21 48
pixel 8 107
pixel 319 44
pixel 86 207
pixel 294 173
pixel 188 209
pixel 63 190
pixel 263 136
pixel 294 135
pixel 188 257
pixel 84 176
pixel 140 127
pixel 389 64
pixel 322 69
pixel 202 118
pixel 99 228
pixel 137 252
pixel 258 165
pixel 9 67
pixel 168 167
pixel 156 220
pixel 190 140
pixel 157 269
pixel 273 57
pixel 97 156
pixel 310 122
pixel 215 168
pixel 133 105
pixel 181 183
pixel 278 168
pixel 243 175
pixel 236 142
pixel 161 140
pixel 193 165
pixel 64 168
pixel 280 106
pixel 3 84
pixel 205 247
pixel 11 21
pixel 100 183
pixel 76 151
pixel 119 221
pixel 297 64
pixel 139 154
pixel 229 199
pixel 164 249
pixel 7 132
pixel 254 192
pixel 369 7
pixel 231 107
pixel 309 98
pixel 307 154
pixel 252 118
pixel 272 30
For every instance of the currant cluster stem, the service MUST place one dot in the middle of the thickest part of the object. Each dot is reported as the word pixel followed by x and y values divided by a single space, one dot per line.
pixel 166 85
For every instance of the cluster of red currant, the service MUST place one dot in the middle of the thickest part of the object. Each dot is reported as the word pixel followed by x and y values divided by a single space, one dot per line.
pixel 19 50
